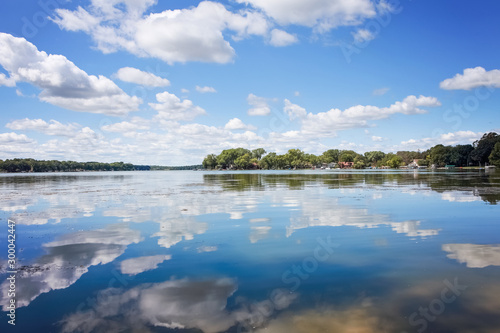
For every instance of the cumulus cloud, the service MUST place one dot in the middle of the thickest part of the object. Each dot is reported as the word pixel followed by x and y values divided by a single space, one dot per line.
pixel 377 138
pixel 323 15
pixel 7 81
pixel 472 78
pixel 363 35
pixel 172 108
pixel 181 35
pixel 293 110
pixel 53 127
pixel 11 138
pixel 134 75
pixel 61 81
pixel 260 106
pixel 447 139
pixel 135 124
pixel 324 123
pixel 237 124
pixel 205 89
pixel 282 38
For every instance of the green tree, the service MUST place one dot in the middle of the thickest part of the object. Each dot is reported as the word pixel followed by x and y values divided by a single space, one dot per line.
pixel 359 162
pixel 483 147
pixel 210 162
pixel 331 155
pixel 269 162
pixel 243 162
pixel 494 157
pixel 227 157
pixel 258 153
pixel 395 162
pixel 372 157
pixel 347 156
pixel 408 156
pixel 459 155
pixel 295 158
pixel 440 155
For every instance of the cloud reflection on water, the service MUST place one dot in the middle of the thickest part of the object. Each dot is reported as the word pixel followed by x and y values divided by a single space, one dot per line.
pixel 174 304
pixel 67 259
pixel 474 255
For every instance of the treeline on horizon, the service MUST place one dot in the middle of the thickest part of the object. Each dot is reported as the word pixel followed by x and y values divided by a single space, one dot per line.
pixel 32 165
pixel 480 152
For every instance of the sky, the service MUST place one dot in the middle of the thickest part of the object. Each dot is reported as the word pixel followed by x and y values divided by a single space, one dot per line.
pixel 168 82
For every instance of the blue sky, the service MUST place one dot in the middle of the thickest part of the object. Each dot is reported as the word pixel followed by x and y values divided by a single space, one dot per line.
pixel 167 82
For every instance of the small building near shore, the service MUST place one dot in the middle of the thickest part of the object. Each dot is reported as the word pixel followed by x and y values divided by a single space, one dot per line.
pixel 346 165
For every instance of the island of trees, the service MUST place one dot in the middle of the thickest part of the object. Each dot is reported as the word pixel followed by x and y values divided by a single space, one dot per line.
pixel 480 153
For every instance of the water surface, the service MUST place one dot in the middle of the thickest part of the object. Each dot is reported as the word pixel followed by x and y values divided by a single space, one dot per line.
pixel 313 251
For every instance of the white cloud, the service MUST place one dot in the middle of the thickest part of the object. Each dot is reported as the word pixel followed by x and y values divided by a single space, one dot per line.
pixel 381 91
pixel 237 124
pixel 323 15
pixel 205 89
pixel 293 110
pixel 363 35
pixel 14 138
pixel 260 106
pixel 474 255
pixel 296 93
pixel 447 139
pixel 193 34
pixel 7 81
pixel 282 38
pixel 138 265
pixel 377 138
pixel 135 124
pixel 62 82
pixel 172 108
pixel 53 127
pixel 134 75
pixel 326 123
pixel 472 78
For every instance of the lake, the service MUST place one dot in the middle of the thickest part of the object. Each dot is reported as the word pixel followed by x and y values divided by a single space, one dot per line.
pixel 292 251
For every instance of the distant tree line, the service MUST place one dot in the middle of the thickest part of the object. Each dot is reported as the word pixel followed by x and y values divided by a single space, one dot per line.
pixel 482 151
pixel 175 168
pixel 31 165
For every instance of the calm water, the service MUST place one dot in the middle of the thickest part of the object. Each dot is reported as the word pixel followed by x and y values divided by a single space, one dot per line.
pixel 316 251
